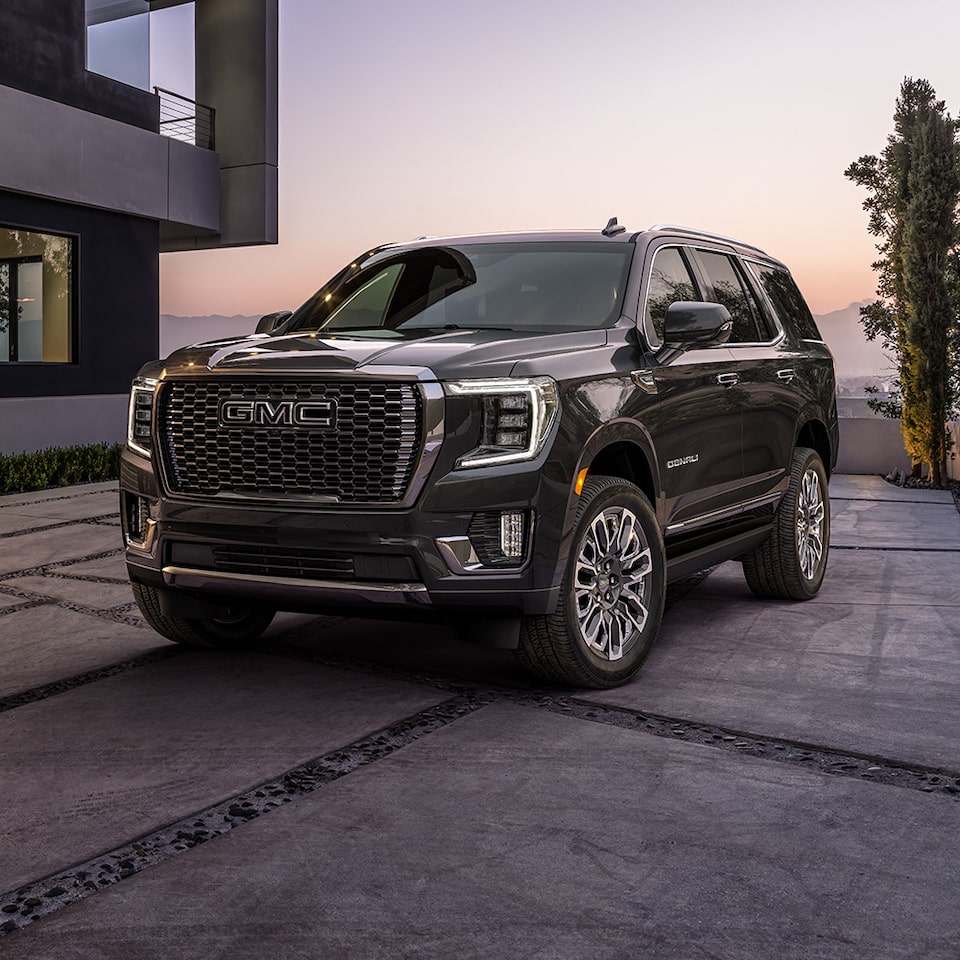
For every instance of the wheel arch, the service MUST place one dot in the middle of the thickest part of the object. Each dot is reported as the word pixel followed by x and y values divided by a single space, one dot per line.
pixel 813 434
pixel 619 448
pixel 622 448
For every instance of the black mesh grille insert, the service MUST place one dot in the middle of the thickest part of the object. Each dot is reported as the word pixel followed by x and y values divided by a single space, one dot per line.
pixel 284 562
pixel 365 451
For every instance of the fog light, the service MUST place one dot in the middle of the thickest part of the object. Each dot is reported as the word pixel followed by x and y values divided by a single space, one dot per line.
pixel 500 538
pixel 512 533
pixel 137 517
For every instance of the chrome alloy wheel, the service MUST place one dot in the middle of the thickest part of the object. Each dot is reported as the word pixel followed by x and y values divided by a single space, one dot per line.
pixel 810 516
pixel 611 583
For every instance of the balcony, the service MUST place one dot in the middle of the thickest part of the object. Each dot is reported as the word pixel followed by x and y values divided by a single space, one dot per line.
pixel 186 120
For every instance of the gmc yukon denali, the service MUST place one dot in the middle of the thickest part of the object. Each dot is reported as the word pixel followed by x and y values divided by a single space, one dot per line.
pixel 529 435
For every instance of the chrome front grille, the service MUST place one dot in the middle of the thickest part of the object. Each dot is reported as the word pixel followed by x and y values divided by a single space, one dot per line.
pixel 365 451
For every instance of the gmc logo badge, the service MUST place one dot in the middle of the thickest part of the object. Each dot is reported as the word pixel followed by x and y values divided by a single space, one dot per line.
pixel 303 414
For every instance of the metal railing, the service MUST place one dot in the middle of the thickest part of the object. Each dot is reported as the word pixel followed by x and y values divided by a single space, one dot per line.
pixel 184 119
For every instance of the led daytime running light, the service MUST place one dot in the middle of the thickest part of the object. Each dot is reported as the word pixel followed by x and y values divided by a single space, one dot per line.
pixel 518 413
pixel 140 416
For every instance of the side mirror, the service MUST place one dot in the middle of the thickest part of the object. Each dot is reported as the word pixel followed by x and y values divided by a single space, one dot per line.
pixel 692 322
pixel 271 321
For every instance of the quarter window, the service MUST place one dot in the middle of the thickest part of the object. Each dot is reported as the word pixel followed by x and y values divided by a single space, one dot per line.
pixel 670 281
pixel 787 299
pixel 36 297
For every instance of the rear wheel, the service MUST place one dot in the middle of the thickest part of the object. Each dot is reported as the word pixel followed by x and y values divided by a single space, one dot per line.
pixel 611 601
pixel 791 564
pixel 235 627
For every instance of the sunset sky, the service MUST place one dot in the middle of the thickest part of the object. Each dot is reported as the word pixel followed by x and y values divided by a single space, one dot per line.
pixel 428 117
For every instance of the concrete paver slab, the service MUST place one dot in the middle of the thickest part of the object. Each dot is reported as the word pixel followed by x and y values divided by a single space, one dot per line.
pixel 106 763
pixel 877 678
pixel 111 566
pixel 868 523
pixel 857 577
pixel 56 511
pixel 75 492
pixel 49 643
pixel 855 487
pixel 49 546
pixel 431 648
pixel 513 833
pixel 14 523
pixel 102 596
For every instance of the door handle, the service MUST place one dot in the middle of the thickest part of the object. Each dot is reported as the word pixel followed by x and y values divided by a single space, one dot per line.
pixel 728 379
pixel 786 375
pixel 644 380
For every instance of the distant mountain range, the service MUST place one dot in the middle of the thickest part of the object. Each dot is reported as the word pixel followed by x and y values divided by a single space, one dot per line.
pixel 856 357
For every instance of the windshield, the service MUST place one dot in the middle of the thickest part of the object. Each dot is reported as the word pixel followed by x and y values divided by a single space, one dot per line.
pixel 536 285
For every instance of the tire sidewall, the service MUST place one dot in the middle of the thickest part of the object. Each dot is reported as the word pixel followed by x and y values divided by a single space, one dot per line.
pixel 619 494
pixel 811 461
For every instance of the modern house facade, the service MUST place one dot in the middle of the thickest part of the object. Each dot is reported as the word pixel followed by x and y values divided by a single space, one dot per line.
pixel 98 175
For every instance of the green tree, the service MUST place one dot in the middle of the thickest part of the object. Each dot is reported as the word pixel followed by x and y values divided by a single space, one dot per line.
pixel 914 188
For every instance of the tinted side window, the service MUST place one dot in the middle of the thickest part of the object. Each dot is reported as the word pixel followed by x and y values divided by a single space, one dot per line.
pixel 787 300
pixel 727 287
pixel 670 280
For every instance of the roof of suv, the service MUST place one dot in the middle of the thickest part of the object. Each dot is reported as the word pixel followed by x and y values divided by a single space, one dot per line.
pixel 598 236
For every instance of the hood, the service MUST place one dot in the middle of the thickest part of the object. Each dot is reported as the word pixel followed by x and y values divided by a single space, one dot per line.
pixel 426 354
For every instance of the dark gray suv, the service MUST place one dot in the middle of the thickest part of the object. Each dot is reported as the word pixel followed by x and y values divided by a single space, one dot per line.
pixel 529 435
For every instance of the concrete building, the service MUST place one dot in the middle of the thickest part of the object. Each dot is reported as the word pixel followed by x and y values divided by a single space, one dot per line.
pixel 98 175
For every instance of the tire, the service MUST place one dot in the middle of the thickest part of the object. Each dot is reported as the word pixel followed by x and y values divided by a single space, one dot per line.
pixel 238 627
pixel 791 564
pixel 602 631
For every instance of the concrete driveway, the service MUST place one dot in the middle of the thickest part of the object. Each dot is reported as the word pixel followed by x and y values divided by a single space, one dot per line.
pixel 781 780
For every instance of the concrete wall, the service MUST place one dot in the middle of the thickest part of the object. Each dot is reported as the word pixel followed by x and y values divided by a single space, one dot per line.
pixel 115 303
pixel 238 75
pixel 43 51
pixel 35 423
pixel 81 157
pixel 871 445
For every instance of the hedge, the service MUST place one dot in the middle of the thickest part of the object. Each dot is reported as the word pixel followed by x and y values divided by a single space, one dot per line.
pixel 59 467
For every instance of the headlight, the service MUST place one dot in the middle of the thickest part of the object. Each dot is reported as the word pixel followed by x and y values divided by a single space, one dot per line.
pixel 518 413
pixel 140 416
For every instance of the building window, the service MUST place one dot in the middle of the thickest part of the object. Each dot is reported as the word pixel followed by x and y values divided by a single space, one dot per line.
pixel 144 48
pixel 118 40
pixel 36 297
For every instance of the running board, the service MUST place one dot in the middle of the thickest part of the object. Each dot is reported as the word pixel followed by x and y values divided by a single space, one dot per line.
pixel 730 549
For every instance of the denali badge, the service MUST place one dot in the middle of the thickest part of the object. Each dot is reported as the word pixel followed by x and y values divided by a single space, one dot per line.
pixel 683 461
pixel 278 413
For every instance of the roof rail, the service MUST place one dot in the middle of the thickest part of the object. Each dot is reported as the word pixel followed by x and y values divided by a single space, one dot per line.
pixel 711 236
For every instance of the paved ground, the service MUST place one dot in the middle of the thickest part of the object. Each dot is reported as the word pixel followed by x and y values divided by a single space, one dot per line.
pixel 781 780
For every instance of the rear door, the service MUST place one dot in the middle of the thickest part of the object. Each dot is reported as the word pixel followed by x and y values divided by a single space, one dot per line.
pixel 768 368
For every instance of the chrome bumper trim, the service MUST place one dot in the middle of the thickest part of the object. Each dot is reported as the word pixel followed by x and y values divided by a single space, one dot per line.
pixel 329 590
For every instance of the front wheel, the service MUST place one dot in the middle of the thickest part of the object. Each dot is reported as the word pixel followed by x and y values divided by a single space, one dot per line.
pixel 791 564
pixel 234 627
pixel 611 601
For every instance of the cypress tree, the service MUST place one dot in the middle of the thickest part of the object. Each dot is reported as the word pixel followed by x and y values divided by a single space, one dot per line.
pixel 914 188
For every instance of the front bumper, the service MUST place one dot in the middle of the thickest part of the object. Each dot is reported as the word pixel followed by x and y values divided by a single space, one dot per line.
pixel 384 561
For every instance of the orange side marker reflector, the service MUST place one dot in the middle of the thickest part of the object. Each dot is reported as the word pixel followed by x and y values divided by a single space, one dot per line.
pixel 581 480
